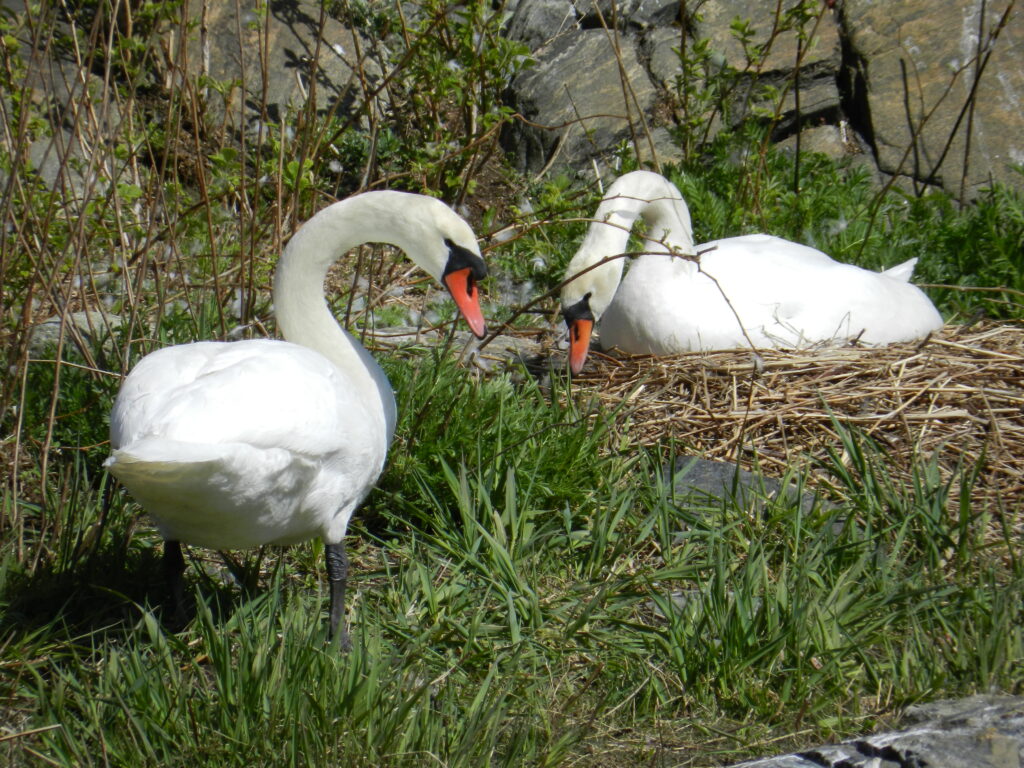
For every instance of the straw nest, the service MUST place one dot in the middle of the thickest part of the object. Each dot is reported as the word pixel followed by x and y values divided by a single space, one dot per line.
pixel 956 397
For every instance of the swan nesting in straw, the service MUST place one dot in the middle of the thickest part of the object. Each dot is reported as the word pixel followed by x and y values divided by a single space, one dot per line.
pixel 755 290
pixel 240 444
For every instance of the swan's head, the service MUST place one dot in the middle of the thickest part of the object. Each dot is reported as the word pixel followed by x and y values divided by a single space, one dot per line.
pixel 580 319
pixel 436 238
pixel 593 277
pixel 463 270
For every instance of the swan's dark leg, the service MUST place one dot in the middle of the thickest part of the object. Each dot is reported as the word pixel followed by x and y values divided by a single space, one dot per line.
pixel 337 574
pixel 174 571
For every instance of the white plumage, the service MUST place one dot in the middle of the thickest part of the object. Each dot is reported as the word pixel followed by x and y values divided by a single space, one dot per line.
pixel 755 290
pixel 240 444
pixel 247 443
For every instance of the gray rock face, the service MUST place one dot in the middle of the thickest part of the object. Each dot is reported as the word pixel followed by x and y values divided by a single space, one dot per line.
pixel 919 65
pixel 977 732
pixel 782 44
pixel 649 37
pixel 78 119
pixel 583 97
pixel 925 89
pixel 226 45
pixel 78 329
pixel 624 13
pixel 73 135
pixel 902 78
pixel 692 475
pixel 539 22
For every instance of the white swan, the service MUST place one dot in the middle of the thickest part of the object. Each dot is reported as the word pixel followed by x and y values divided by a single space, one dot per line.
pixel 780 293
pixel 240 444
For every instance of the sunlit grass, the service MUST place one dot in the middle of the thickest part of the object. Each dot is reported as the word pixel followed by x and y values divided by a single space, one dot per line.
pixel 503 614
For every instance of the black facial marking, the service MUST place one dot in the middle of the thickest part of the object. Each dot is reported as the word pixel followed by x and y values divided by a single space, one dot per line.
pixel 578 311
pixel 461 258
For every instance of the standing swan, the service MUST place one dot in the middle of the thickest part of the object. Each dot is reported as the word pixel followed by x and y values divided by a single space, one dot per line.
pixel 780 293
pixel 240 444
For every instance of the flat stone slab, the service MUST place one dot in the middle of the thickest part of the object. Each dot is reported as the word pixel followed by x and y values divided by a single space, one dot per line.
pixel 692 475
pixel 499 351
pixel 984 731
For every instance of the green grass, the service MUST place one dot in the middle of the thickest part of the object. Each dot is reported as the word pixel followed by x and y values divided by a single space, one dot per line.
pixel 521 598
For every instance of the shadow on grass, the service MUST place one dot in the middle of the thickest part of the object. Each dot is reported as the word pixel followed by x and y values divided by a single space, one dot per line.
pixel 103 596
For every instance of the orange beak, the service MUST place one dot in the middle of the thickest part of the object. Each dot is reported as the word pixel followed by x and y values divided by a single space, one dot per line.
pixel 462 286
pixel 579 343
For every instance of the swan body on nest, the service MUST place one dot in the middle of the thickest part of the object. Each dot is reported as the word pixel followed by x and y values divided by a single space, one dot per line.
pixel 753 290
pixel 241 444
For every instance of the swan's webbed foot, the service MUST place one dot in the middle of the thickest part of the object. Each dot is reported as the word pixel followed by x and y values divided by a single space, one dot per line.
pixel 174 572
pixel 337 574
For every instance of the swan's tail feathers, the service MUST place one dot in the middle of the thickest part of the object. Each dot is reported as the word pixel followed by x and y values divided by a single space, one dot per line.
pixel 902 271
pixel 158 460
pixel 218 495
pixel 163 460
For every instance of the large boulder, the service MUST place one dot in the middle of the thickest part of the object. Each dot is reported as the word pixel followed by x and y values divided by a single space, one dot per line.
pixel 772 31
pixel 933 112
pixel 897 85
pixel 624 14
pixel 976 732
pixel 77 113
pixel 809 97
pixel 607 73
pixel 537 22
pixel 80 116
pixel 228 43
pixel 587 93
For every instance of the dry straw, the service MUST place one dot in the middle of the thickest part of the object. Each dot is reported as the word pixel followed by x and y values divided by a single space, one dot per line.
pixel 956 396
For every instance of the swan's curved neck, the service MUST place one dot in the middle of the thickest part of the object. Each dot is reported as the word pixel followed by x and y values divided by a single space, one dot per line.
pixel 299 302
pixel 636 195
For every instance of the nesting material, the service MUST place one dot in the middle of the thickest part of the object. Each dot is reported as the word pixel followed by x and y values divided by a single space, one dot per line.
pixel 957 396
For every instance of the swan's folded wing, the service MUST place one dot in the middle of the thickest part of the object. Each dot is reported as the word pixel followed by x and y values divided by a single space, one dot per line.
pixel 260 393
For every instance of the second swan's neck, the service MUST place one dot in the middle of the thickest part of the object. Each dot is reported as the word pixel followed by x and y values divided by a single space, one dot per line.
pixel 635 195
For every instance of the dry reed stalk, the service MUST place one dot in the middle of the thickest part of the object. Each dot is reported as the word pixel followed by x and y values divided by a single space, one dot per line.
pixel 957 397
